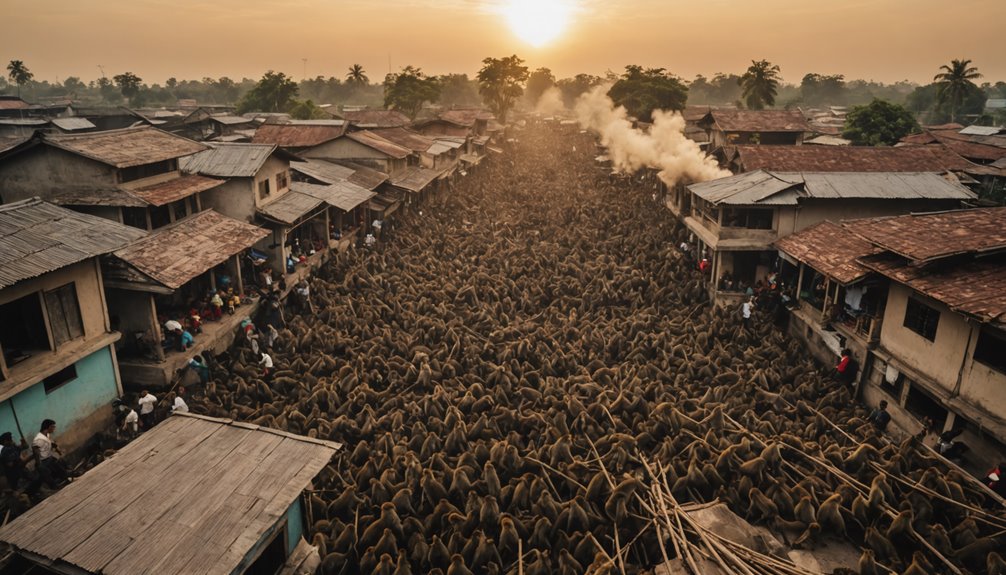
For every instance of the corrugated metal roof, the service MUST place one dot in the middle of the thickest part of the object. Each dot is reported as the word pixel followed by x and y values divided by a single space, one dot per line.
pixel 830 249
pixel 981 130
pixel 37 237
pixel 342 195
pixel 113 196
pixel 376 118
pixel 296 136
pixel 228 160
pixel 177 253
pixel 928 236
pixel 229 120
pixel 439 147
pixel 763 187
pixel 171 489
pixel 758 120
pixel 375 142
pixel 126 147
pixel 323 170
pixel 23 121
pixel 934 158
pixel 175 189
pixel 72 124
pixel 415 178
pixel 466 117
pixel 406 138
pixel 290 207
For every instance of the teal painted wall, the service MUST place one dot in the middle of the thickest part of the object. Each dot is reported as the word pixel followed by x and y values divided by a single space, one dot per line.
pixel 295 525
pixel 70 403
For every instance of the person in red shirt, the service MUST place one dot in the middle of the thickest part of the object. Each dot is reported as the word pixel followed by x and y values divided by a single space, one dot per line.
pixel 846 368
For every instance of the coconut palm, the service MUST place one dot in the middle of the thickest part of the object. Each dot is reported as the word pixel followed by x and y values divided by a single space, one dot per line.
pixel 19 74
pixel 357 75
pixel 760 84
pixel 955 81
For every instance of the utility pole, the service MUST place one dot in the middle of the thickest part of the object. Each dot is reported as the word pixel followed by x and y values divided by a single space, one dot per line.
pixel 102 68
pixel 305 67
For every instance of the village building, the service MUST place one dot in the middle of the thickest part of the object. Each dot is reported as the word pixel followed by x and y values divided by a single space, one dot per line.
pixel 365 148
pixel 170 275
pixel 726 127
pixel 980 148
pixel 920 299
pixel 298 137
pixel 57 338
pixel 369 119
pixel 131 176
pixel 736 219
pixel 103 117
pixel 204 124
pixel 381 206
pixel 194 494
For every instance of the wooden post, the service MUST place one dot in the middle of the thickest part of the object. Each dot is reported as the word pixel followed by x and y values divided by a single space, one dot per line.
pixel 238 281
pixel 156 329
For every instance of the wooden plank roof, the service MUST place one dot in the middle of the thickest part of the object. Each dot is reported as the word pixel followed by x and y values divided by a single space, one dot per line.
pixel 37 237
pixel 290 207
pixel 175 189
pixel 126 147
pixel 375 142
pixel 177 253
pixel 830 249
pixel 296 135
pixel 229 160
pixel 194 494
pixel 729 120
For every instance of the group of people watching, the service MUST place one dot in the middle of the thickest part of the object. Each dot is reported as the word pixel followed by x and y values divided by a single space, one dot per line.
pixel 129 422
pixel 50 469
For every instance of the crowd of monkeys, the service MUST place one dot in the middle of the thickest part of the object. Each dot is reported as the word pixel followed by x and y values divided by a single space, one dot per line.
pixel 500 370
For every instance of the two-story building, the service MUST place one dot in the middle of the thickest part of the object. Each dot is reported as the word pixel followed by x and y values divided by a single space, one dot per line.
pixel 365 148
pixel 131 175
pixel 736 219
pixel 57 338
pixel 727 127
pixel 932 288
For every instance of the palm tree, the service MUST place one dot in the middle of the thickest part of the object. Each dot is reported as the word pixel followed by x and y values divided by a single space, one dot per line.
pixel 760 84
pixel 19 74
pixel 357 75
pixel 955 81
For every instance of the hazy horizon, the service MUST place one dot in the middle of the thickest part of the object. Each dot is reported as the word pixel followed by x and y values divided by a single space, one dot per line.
pixel 884 40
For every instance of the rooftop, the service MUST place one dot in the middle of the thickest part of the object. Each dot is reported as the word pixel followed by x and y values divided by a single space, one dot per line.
pixel 763 187
pixel 466 117
pixel 376 118
pixel 295 135
pixel 194 494
pixel 229 160
pixel 830 249
pixel 342 195
pixel 37 237
pixel 126 147
pixel 73 124
pixel 177 253
pixel 925 237
pixel 373 141
pixel 290 207
pixel 849 158
pixel 175 189
pixel 729 120
pixel 415 178
pixel 406 138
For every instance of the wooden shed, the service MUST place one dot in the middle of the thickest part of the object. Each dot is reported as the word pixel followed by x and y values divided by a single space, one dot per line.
pixel 193 495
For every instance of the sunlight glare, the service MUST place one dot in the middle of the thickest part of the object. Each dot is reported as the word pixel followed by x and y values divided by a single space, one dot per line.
pixel 537 22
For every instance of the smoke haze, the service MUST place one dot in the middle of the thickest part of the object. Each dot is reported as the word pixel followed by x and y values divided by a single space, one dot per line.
pixel 665 147
pixel 550 102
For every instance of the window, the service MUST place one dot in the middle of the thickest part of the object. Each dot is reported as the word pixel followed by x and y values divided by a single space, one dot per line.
pixel 753 219
pixel 991 349
pixel 60 378
pixel 178 208
pixel 282 180
pixel 135 217
pixel 263 189
pixel 64 314
pixel 22 328
pixel 921 319
pixel 147 170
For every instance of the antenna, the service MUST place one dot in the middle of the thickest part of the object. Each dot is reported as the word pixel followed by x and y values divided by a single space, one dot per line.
pixel 102 68
pixel 305 67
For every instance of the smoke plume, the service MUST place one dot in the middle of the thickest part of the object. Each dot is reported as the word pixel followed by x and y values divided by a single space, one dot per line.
pixel 550 102
pixel 665 147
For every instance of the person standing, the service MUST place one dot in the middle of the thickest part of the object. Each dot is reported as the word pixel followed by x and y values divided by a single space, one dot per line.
pixel 266 363
pixel 846 368
pixel 747 308
pixel 13 459
pixel 147 402
pixel 201 369
pixel 51 469
pixel 179 405
pixel 131 423
pixel 879 416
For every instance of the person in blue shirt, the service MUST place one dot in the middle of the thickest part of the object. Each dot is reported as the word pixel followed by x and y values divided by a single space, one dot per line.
pixel 185 339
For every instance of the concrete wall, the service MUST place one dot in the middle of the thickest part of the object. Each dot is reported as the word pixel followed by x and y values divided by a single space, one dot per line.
pixel 236 199
pixel 80 407
pixel 269 170
pixel 982 385
pixel 940 359
pixel 43 170
pixel 134 310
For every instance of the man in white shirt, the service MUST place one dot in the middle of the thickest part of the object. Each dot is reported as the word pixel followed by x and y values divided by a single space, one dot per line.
pixel 131 424
pixel 266 363
pixel 179 406
pixel 746 311
pixel 51 469
pixel 147 402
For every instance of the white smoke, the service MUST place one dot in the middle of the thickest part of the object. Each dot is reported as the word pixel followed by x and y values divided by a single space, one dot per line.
pixel 665 147
pixel 550 102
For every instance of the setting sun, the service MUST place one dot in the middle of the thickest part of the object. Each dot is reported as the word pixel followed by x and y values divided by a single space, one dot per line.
pixel 537 22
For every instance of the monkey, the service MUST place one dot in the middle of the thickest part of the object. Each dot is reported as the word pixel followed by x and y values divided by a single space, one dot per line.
pixel 919 565
pixel 761 506
pixel 994 564
pixel 458 566
pixel 867 564
pixel 808 538
pixel 804 511
pixel 615 507
pixel 829 515
pixel 385 566
pixel 880 545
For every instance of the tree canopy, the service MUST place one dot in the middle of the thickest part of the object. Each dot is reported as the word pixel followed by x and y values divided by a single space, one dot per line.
pixel 823 90
pixel 458 90
pixel 955 82
pixel 129 84
pixel 307 110
pixel 537 82
pixel 760 84
pixel 19 74
pixel 408 90
pixel 643 90
pixel 879 123
pixel 501 82
pixel 357 76
pixel 721 89
pixel 573 88
pixel 275 92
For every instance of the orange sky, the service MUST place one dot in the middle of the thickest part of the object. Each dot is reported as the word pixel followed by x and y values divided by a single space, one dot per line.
pixel 886 40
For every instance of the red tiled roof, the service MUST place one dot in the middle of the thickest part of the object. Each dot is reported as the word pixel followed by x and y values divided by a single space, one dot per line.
pixel 758 120
pixel 929 236
pixel 830 249
pixel 935 158
pixel 372 140
pixel 296 135
pixel 176 189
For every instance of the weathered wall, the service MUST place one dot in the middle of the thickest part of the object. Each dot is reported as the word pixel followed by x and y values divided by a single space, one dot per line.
pixel 134 311
pixel 235 199
pixel 44 170
pixel 85 277
pixel 982 385
pixel 81 407
pixel 270 169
